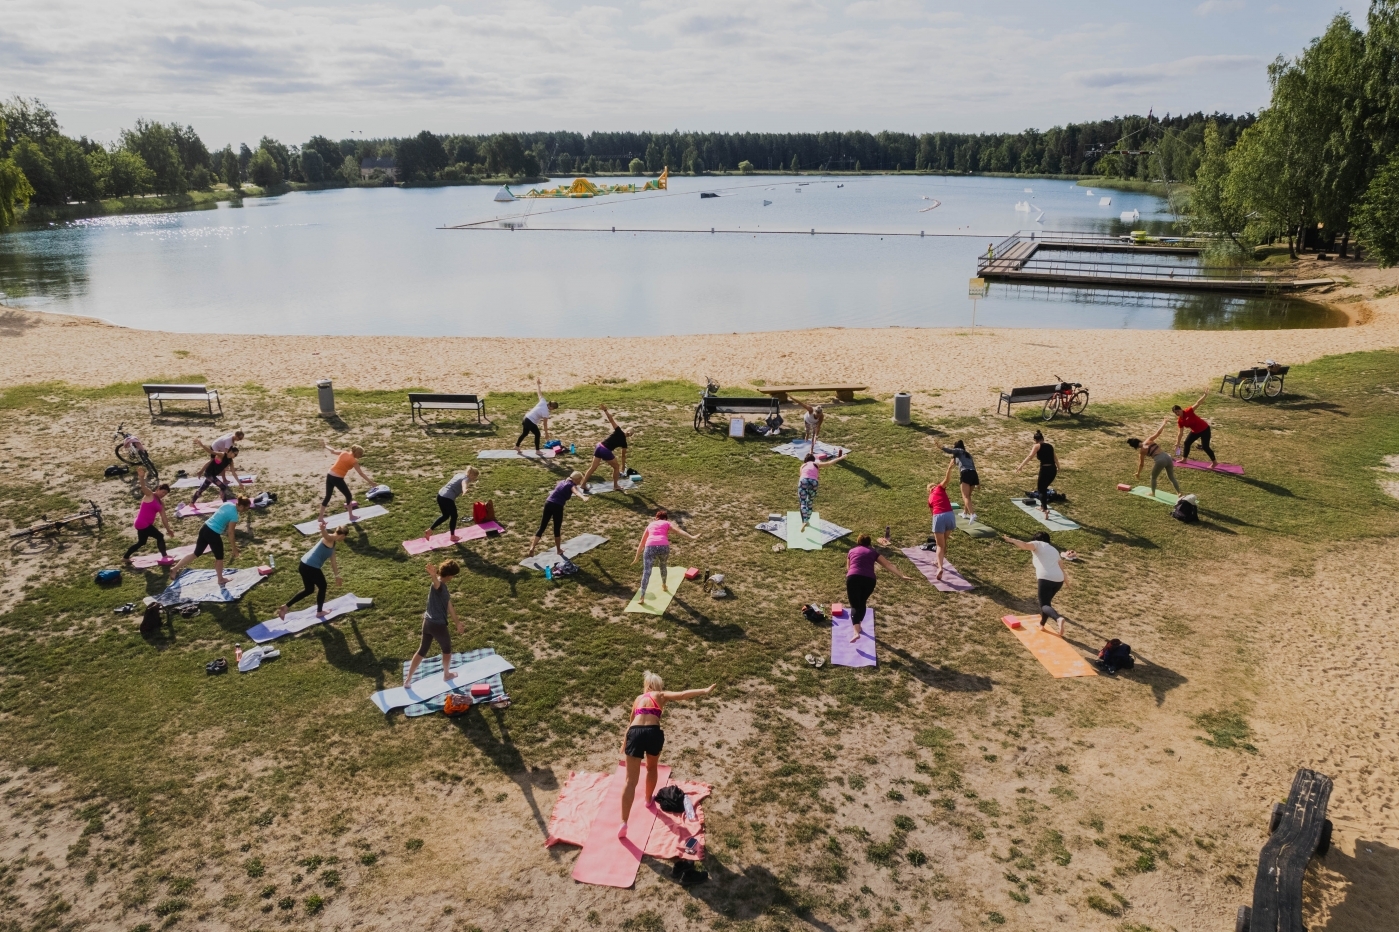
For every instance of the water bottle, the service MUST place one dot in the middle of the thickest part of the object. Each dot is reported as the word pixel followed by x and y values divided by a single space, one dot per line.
pixel 571 449
pixel 549 572
pixel 272 561
pixel 237 653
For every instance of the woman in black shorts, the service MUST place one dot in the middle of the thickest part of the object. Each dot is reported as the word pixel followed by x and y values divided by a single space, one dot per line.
pixel 612 451
pixel 1049 468
pixel 645 739
pixel 967 476
pixel 439 608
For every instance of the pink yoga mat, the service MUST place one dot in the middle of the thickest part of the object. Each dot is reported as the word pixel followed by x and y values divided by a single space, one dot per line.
pixel 437 541
pixel 843 652
pixel 581 799
pixel 147 560
pixel 610 861
pixel 1230 468
pixel 927 563
pixel 187 510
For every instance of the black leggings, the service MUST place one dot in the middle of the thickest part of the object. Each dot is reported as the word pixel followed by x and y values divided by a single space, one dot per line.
pixel 434 631
pixel 528 427
pixel 1047 473
pixel 312 580
pixel 858 590
pixel 1204 438
pixel 1048 589
pixel 333 482
pixel 449 514
pixel 554 512
pixel 144 534
pixel 218 481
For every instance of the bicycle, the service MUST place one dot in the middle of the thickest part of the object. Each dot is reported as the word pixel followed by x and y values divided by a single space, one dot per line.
pixel 131 451
pixel 1069 397
pixel 47 530
pixel 1267 379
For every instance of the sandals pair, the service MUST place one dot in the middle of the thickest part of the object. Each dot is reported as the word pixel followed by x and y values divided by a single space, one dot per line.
pixel 816 660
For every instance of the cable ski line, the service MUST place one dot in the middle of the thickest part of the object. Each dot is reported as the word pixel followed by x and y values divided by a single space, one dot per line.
pixel 475 227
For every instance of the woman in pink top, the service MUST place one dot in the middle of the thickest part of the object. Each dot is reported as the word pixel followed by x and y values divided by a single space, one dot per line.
pixel 152 504
pixel 806 485
pixel 655 548
pixel 944 519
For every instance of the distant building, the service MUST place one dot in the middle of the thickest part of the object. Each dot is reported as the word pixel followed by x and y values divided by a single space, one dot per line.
pixel 387 166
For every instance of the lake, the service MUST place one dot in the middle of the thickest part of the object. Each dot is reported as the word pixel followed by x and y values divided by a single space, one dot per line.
pixel 891 251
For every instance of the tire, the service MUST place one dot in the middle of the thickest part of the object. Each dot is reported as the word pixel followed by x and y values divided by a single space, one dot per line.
pixel 699 416
pixel 1247 390
pixel 152 472
pixel 1323 843
pixel 1243 919
pixel 1078 402
pixel 129 459
pixel 1273 387
pixel 1051 408
pixel 1274 818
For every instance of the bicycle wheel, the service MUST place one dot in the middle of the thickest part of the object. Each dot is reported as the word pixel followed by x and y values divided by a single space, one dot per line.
pixel 127 456
pixel 699 416
pixel 1247 390
pixel 1273 387
pixel 1079 401
pixel 152 473
pixel 1051 407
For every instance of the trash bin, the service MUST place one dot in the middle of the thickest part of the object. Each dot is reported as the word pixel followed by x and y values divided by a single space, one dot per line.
pixel 903 408
pixel 325 393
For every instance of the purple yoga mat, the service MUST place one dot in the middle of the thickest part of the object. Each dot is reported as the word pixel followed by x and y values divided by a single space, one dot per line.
pixel 1230 468
pixel 846 654
pixel 927 563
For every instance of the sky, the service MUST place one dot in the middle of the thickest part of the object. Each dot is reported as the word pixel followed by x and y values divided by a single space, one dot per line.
pixel 240 69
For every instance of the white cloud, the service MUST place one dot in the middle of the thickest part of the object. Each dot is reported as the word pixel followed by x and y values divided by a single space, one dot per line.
pixel 1219 6
pixel 1196 65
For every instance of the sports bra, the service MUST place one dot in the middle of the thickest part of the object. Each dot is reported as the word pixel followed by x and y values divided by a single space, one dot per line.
pixel 1151 448
pixel 652 709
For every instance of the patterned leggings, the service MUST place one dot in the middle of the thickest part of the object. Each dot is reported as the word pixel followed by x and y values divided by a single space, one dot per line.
pixel 806 497
pixel 658 554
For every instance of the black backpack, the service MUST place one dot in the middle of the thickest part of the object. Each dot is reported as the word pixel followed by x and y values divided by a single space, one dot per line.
pixel 151 620
pixel 1186 511
pixel 813 614
pixel 670 799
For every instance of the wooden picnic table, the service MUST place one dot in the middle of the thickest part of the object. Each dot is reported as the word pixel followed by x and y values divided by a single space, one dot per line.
pixel 842 392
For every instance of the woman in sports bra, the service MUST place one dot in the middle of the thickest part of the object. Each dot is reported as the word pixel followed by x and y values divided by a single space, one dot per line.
pixel 612 451
pixel 645 739
pixel 1160 459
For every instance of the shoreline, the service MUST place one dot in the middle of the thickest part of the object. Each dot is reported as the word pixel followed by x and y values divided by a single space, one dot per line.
pixel 956 370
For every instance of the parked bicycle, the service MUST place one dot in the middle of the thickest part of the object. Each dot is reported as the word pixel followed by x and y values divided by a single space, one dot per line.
pixel 1068 397
pixel 1267 380
pixel 43 535
pixel 131 451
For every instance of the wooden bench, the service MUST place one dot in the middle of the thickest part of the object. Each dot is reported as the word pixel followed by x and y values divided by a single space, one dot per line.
pixel 1025 395
pixel 1253 374
pixel 1297 829
pixel 158 395
pixel 842 392
pixel 711 405
pixel 418 402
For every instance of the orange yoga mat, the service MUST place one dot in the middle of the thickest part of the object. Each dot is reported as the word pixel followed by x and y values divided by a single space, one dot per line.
pixel 1058 656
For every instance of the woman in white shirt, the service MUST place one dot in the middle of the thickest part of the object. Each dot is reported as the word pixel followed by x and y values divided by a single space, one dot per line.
pixel 1049 573
pixel 536 417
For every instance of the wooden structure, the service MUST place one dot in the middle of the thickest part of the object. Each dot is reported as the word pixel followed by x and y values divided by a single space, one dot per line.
pixel 1297 829
pixel 158 395
pixel 711 405
pixel 418 402
pixel 842 392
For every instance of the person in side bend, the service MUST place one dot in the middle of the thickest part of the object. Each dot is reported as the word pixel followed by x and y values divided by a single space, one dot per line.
pixel 536 418
pixel 645 738
pixel 439 609
pixel 553 511
pixel 612 451
pixel 345 460
pixel 967 476
pixel 1200 429
pixel 944 518
pixel 222 522
pixel 152 504
pixel 447 499
pixel 312 571
pixel 1161 461
pixel 1049 573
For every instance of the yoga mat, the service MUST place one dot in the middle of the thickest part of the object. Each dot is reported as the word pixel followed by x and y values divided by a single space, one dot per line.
pixel 607 860
pixel 657 599
pixel 974 528
pixel 580 544
pixel 803 539
pixel 1058 656
pixel 826 529
pixel 340 519
pixel 420 545
pixel 1165 498
pixel 186 510
pixel 843 652
pixel 580 800
pixel 512 455
pixel 203 586
pixel 194 482
pixel 602 488
pixel 304 618
pixel 430 687
pixel 800 448
pixel 433 665
pixel 1055 521
pixel 147 560
pixel 927 563
pixel 1229 468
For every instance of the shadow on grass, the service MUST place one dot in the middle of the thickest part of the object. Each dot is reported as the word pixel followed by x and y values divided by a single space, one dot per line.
pixel 360 659
pixel 953 681
pixel 501 752
pixel 1161 679
pixel 869 477
pixel 746 895
pixel 1271 488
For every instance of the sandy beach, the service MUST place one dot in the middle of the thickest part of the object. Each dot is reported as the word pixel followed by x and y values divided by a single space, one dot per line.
pixel 961 368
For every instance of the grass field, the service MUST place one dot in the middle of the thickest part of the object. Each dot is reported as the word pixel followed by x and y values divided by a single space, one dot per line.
pixel 954 786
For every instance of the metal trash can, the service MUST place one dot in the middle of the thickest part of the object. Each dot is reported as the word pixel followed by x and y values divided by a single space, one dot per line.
pixel 903 408
pixel 325 393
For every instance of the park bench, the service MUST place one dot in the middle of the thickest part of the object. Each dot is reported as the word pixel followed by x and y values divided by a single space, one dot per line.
pixel 1251 375
pixel 1025 395
pixel 418 402
pixel 711 405
pixel 842 392
pixel 158 395
pixel 1297 829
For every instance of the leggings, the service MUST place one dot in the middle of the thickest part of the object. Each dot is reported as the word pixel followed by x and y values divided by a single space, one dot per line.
pixel 436 631
pixel 1159 462
pixel 552 511
pixel 858 590
pixel 333 482
pixel 658 554
pixel 806 496
pixel 1047 473
pixel 528 427
pixel 1048 588
pixel 449 513
pixel 144 534
pixel 312 580
pixel 218 481
pixel 1204 438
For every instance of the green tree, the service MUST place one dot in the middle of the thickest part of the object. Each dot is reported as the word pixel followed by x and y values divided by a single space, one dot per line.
pixel 563 163
pixel 312 166
pixel 99 163
pixel 70 164
pixel 329 152
pixel 229 169
pixel 280 154
pixel 14 186
pixel 43 180
pixel 193 153
pixel 156 144
pixel 25 118
pixel 1212 203
pixel 636 166
pixel 349 170
pixel 796 165
pixel 505 155
pixel 1377 214
pixel 130 175
pixel 263 169
pixel 746 167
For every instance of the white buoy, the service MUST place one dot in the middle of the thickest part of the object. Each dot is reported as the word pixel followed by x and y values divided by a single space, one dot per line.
pixel 1104 202
pixel 1023 205
pixel 1131 216
pixel 504 194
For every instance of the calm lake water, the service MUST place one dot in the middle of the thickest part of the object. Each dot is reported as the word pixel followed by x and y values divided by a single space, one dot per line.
pixel 377 261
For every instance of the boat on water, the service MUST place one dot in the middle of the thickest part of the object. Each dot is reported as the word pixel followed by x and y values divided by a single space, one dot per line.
pixel 582 187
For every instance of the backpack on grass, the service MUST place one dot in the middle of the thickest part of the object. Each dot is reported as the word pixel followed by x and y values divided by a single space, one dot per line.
pixel 1186 510
pixel 152 619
